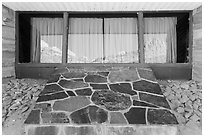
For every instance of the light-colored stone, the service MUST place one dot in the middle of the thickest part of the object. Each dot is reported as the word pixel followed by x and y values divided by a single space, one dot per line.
pixel 194 117
pixel 180 110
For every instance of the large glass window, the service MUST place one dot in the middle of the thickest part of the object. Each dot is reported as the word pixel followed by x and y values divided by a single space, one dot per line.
pixel 160 40
pixel 102 40
pixel 46 42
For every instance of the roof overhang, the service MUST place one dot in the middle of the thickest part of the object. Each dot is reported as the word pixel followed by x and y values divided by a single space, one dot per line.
pixel 102 6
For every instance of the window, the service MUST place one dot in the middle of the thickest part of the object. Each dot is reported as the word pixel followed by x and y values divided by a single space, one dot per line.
pixel 47 40
pixel 102 40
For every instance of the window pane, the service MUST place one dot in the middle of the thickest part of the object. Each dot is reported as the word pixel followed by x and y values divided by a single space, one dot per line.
pixel 160 40
pixel 47 40
pixel 85 40
pixel 120 40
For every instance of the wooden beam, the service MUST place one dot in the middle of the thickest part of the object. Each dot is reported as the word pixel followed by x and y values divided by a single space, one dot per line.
pixel 190 49
pixel 141 37
pixel 65 37
pixel 17 37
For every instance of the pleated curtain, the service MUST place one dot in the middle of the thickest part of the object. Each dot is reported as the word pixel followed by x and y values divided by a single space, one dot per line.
pixel 160 40
pixel 46 40
pixel 85 40
pixel 120 40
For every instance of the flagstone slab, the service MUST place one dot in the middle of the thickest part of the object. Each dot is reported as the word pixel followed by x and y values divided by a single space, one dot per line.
pixel 95 79
pixel 136 115
pixel 43 130
pixel 124 75
pixel 161 116
pixel 61 70
pixel 45 107
pixel 52 88
pixel 111 100
pixel 123 88
pixel 103 73
pixel 33 117
pixel 99 86
pixel 70 75
pixel 71 104
pixel 49 97
pixel 144 104
pixel 70 93
pixel 146 74
pixel 83 130
pixel 156 100
pixel 117 118
pixel 54 117
pixel 147 86
pixel 70 84
pixel 54 78
pixel 90 114
pixel 84 92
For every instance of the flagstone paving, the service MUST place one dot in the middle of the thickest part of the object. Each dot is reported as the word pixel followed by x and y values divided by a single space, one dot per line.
pixel 99 95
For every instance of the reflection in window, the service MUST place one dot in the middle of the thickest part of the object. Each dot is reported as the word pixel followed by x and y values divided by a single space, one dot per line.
pixel 47 40
pixel 160 40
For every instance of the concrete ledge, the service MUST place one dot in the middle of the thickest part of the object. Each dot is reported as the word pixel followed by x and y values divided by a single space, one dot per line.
pixel 64 129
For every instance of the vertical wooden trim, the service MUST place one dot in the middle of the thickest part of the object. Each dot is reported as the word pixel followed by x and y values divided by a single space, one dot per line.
pixel 65 37
pixel 103 43
pixel 141 37
pixel 190 51
pixel 16 37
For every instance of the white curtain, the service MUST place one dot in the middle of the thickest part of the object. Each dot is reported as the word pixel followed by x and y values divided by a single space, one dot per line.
pixel 121 40
pixel 85 40
pixel 46 40
pixel 160 40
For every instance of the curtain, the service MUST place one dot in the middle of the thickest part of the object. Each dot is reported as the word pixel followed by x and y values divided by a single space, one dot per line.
pixel 120 40
pixel 160 40
pixel 46 40
pixel 85 40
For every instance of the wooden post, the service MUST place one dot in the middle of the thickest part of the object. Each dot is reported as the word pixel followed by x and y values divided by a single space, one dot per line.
pixel 65 37
pixel 141 37
pixel 190 47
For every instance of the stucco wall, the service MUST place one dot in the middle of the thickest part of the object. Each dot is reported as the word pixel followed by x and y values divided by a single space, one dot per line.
pixel 197 44
pixel 8 42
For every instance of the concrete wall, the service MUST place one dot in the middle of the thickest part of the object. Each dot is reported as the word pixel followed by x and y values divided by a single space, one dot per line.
pixel 8 42
pixel 197 44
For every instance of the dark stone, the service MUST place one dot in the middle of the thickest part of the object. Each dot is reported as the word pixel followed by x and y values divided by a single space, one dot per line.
pixel 117 118
pixel 71 104
pixel 161 116
pixel 136 116
pixel 156 100
pixel 103 73
pixel 124 75
pixel 59 117
pixel 44 130
pixel 53 78
pixel 53 88
pixel 33 117
pixel 139 103
pixel 70 84
pixel 123 88
pixel 70 75
pixel 59 95
pixel 146 74
pixel 99 86
pixel 90 114
pixel 85 130
pixel 111 100
pixel 95 79
pixel 70 93
pixel 147 86
pixel 45 107
pixel 84 92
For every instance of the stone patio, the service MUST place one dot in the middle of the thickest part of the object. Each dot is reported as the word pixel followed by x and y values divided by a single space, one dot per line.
pixel 95 100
